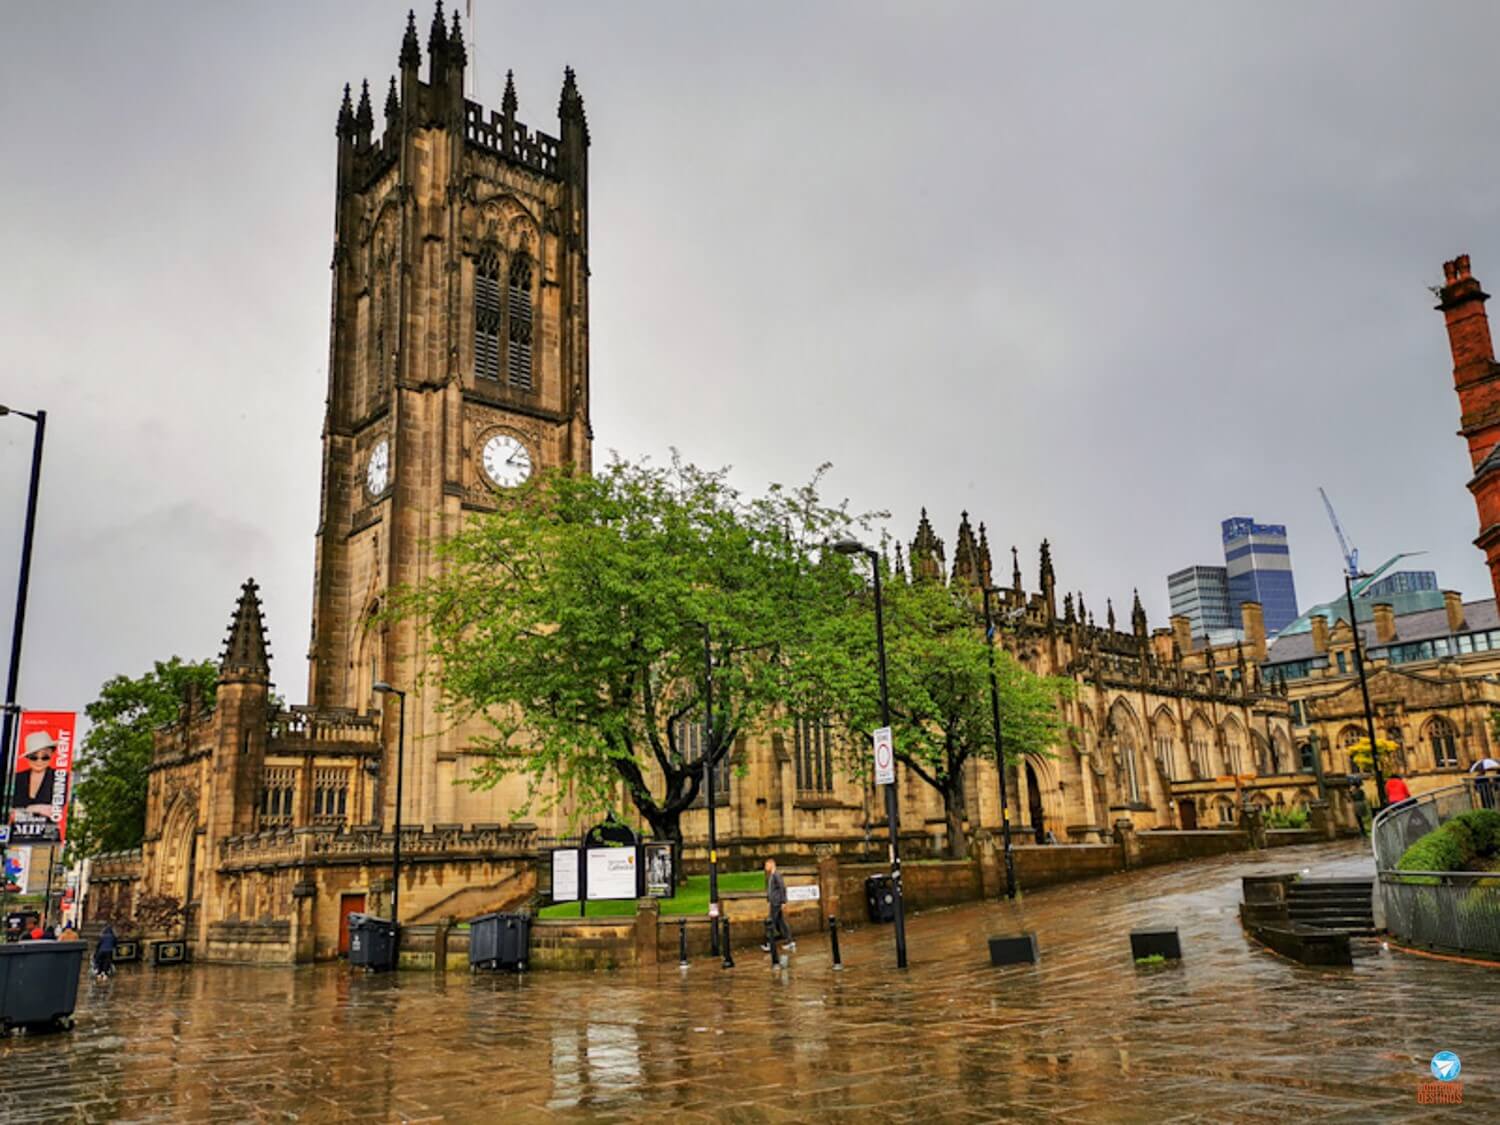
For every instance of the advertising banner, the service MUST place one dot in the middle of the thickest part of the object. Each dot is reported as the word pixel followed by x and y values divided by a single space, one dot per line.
pixel 659 871
pixel 611 873
pixel 40 777
pixel 17 870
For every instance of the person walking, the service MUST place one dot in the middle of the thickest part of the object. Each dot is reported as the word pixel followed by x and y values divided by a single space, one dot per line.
pixel 776 925
pixel 104 952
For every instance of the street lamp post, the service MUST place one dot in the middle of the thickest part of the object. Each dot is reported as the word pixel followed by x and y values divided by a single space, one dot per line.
pixel 386 689
pixel 1364 691
pixel 1010 859
pixel 709 769
pixel 892 808
pixel 28 534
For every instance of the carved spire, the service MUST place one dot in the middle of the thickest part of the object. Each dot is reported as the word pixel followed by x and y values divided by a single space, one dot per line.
pixel 437 47
pixel 570 104
pixel 508 103
pixel 457 54
pixel 245 654
pixel 986 580
pixel 1083 613
pixel 345 127
pixel 900 564
pixel 965 553
pixel 392 105
pixel 1109 614
pixel 364 117
pixel 411 53
pixel 1068 617
pixel 1015 572
pixel 1049 584
pixel 926 553
pixel 1138 616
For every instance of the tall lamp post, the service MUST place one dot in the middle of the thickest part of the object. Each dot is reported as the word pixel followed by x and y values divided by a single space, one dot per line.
pixel 1364 691
pixel 28 534
pixel 709 769
pixel 1010 859
pixel 386 689
pixel 892 809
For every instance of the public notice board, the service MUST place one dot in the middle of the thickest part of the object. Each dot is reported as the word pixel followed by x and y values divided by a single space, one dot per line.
pixel 565 875
pixel 611 873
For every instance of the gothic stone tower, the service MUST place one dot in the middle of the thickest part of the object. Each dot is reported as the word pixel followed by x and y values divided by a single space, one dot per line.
pixel 1476 377
pixel 458 366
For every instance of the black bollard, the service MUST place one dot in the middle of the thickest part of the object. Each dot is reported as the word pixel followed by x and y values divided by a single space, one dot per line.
pixel 771 943
pixel 728 956
pixel 713 936
pixel 682 942
pixel 833 936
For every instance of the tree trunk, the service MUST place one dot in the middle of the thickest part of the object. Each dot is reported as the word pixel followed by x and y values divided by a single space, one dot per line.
pixel 953 813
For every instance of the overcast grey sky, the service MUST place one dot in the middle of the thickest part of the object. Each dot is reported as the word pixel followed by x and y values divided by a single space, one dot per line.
pixel 1106 273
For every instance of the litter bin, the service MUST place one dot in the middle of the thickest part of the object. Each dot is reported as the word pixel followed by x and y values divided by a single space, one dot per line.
pixel 39 983
pixel 499 941
pixel 880 898
pixel 372 942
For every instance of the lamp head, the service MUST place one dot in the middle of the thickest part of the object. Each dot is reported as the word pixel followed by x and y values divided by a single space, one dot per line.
pixel 850 547
pixel 4 410
pixel 385 689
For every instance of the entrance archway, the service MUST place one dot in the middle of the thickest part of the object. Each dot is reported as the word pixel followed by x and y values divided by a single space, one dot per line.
pixel 1037 817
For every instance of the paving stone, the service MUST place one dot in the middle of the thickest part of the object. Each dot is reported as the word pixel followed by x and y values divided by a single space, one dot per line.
pixel 1230 1034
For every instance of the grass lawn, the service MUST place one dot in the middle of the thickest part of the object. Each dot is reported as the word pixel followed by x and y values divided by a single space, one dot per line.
pixel 690 899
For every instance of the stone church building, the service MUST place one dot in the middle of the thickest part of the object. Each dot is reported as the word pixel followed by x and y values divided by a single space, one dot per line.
pixel 459 365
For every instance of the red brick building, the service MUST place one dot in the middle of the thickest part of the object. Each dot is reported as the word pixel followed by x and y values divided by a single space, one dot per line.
pixel 1476 377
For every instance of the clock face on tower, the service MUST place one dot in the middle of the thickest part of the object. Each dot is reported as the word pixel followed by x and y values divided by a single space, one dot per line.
pixel 378 471
pixel 506 461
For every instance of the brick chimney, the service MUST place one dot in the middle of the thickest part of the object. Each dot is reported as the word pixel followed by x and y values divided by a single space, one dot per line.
pixel 1453 602
pixel 1385 622
pixel 1253 624
pixel 1319 632
pixel 1461 301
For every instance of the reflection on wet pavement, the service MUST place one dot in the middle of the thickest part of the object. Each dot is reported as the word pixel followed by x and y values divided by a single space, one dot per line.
pixel 1232 1034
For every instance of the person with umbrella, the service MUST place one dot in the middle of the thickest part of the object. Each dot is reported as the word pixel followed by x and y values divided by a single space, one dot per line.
pixel 1484 783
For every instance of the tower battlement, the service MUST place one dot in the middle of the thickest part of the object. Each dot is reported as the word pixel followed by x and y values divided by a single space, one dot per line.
pixel 439 103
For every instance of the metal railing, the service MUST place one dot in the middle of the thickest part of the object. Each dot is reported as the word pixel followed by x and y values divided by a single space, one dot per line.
pixel 1397 827
pixel 1458 911
pixel 1452 910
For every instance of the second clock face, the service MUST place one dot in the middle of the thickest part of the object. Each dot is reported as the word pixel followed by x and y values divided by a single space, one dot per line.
pixel 506 461
pixel 378 471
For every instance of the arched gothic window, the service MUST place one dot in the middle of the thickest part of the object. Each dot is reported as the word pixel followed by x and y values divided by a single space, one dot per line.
pixel 813 754
pixel 518 327
pixel 1443 738
pixel 487 315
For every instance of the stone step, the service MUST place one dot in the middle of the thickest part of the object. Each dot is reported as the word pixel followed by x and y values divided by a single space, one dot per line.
pixel 1321 885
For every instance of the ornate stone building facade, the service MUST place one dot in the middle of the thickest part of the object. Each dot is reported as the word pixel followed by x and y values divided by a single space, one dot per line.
pixel 458 364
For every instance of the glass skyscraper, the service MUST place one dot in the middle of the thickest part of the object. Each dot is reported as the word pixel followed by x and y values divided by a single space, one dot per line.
pixel 1258 564
pixel 1201 594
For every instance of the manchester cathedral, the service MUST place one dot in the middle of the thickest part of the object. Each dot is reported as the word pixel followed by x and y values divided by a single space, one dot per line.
pixel 459 366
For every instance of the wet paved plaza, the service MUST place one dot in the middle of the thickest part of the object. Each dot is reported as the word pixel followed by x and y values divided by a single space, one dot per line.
pixel 1233 1034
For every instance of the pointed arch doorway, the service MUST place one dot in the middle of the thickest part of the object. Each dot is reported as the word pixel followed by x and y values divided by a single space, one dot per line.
pixel 1036 816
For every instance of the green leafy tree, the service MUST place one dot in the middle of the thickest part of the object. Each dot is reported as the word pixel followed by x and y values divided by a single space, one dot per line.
pixel 115 755
pixel 573 620
pixel 938 667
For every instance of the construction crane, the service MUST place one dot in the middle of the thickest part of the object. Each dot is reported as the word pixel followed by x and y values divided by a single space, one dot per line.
pixel 1351 554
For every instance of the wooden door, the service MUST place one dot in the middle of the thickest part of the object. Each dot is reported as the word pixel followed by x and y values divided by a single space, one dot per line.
pixel 1187 812
pixel 348 904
